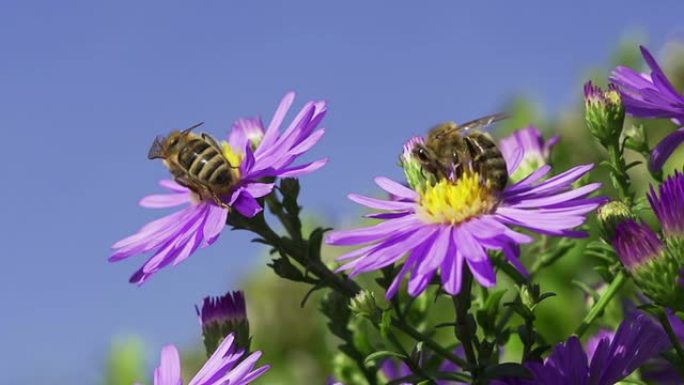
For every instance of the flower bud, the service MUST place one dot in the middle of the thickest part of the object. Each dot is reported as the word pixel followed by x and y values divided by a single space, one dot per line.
pixel 605 113
pixel 610 216
pixel 247 130
pixel 413 169
pixel 363 304
pixel 220 316
pixel 655 269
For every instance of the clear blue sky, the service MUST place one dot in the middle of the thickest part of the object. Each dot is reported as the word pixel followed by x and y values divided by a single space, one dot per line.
pixel 86 85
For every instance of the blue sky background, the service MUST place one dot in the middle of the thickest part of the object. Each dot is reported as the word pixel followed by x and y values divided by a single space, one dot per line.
pixel 86 85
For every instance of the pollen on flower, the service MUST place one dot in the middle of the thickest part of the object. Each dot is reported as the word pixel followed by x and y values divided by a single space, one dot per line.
pixel 234 158
pixel 453 202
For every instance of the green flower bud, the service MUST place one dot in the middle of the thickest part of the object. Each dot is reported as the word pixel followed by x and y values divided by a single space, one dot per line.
pixel 605 113
pixel 413 169
pixel 364 305
pixel 610 216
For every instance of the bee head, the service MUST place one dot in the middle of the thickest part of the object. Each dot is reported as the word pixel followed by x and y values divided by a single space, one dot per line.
pixel 157 149
pixel 163 145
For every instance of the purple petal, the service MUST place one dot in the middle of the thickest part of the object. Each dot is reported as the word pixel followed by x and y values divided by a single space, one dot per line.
pixel 396 189
pixel 452 271
pixel 169 371
pixel 437 251
pixel 665 148
pixel 215 222
pixel 304 169
pixel 258 190
pixel 165 200
pixel 272 131
pixel 247 205
pixel 514 160
pixel 372 233
pixel 308 143
pixel 381 204
pixel 468 245
pixel 483 272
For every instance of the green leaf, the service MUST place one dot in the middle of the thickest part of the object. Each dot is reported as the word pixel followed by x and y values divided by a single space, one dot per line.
pixel 588 290
pixel 283 268
pixel 373 357
pixel 385 324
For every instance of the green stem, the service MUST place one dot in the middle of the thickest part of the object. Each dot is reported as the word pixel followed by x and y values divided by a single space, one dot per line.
pixel 463 330
pixel 414 366
pixel 619 171
pixel 665 321
pixel 427 341
pixel 600 305
pixel 297 251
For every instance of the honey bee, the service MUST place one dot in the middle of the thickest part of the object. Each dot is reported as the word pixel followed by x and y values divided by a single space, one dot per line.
pixel 197 162
pixel 451 149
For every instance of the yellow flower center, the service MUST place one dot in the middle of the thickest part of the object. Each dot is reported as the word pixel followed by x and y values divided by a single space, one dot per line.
pixel 234 158
pixel 453 202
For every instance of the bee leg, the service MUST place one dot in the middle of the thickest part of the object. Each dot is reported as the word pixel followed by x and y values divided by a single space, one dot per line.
pixel 219 202
pixel 181 180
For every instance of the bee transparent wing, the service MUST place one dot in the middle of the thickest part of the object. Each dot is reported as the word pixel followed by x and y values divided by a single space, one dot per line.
pixel 157 148
pixel 483 122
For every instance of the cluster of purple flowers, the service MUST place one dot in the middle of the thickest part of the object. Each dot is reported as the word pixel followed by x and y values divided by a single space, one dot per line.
pixel 434 231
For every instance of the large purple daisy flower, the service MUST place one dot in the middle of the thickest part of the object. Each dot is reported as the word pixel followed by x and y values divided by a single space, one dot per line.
pixel 535 150
pixel 443 225
pixel 259 154
pixel 637 340
pixel 652 96
pixel 227 366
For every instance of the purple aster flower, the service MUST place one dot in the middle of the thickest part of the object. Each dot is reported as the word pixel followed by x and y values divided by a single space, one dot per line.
pixel 659 370
pixel 668 205
pixel 227 366
pixel 652 96
pixel 637 340
pixel 262 154
pixel 636 244
pixel 445 225
pixel 535 150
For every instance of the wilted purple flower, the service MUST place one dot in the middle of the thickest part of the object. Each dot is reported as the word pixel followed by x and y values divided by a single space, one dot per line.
pixel 535 150
pixel 637 340
pixel 636 244
pixel 260 153
pixel 227 366
pixel 652 96
pixel 668 205
pixel 452 222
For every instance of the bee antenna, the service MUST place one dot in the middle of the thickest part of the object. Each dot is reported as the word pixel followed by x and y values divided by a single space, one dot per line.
pixel 187 130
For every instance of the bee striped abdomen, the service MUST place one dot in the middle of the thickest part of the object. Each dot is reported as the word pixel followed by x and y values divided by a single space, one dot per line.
pixel 204 162
pixel 487 159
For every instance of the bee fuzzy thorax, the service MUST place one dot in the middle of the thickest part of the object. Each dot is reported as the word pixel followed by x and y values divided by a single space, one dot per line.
pixel 452 201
